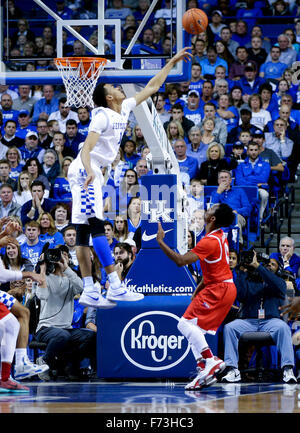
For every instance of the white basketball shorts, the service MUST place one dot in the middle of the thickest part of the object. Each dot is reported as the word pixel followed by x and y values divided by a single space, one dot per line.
pixel 85 203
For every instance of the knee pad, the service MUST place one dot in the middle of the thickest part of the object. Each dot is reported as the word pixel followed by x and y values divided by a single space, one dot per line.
pixel 83 235
pixel 96 227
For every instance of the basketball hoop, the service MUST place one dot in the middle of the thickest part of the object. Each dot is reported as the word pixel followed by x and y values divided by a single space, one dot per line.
pixel 80 76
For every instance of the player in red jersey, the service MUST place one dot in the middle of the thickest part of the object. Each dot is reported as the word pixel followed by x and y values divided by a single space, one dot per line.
pixel 9 324
pixel 213 297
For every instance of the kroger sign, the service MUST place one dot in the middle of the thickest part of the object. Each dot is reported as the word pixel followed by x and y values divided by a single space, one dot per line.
pixel 151 341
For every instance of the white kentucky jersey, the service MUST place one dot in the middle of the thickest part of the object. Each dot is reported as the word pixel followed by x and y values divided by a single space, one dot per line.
pixel 111 127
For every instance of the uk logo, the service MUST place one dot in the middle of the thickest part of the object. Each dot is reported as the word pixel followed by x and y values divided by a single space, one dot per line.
pixel 160 211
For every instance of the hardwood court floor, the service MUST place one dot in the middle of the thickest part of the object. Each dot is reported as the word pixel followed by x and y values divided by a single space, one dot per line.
pixel 157 397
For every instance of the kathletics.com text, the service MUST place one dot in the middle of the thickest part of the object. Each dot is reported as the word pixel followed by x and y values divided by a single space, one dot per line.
pixel 153 289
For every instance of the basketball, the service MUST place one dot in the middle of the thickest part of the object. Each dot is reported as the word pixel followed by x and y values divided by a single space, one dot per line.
pixel 194 21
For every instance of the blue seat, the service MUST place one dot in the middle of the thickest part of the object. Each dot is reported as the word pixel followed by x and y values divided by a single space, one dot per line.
pixel 280 182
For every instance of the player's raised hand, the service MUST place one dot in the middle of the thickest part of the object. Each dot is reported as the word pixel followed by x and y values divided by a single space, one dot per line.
pixel 89 179
pixel 160 233
pixel 183 54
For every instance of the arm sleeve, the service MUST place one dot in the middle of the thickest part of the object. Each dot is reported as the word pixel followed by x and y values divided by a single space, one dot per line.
pixel 6 275
pixel 99 122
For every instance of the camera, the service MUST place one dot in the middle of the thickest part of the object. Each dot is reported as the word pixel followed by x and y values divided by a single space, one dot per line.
pixel 51 257
pixel 246 257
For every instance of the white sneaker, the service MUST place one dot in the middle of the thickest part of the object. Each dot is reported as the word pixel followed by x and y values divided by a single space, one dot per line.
pixel 44 375
pixel 233 375
pixel 95 300
pixel 288 375
pixel 206 376
pixel 124 293
pixel 28 369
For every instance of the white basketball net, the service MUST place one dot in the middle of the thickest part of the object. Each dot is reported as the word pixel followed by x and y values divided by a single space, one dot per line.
pixel 80 80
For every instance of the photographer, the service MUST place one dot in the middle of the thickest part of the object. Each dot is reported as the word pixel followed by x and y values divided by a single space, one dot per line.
pixel 260 293
pixel 66 346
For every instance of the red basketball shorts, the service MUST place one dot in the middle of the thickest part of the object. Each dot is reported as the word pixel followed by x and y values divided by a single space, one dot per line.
pixel 211 305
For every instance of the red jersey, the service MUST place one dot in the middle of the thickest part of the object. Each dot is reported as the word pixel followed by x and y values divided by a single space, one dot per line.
pixel 213 253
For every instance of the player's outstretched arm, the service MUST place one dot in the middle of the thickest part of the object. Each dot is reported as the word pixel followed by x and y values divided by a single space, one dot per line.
pixel 179 259
pixel 88 146
pixel 157 81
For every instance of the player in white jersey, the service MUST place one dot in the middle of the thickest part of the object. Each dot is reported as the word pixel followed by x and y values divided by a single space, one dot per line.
pixel 108 124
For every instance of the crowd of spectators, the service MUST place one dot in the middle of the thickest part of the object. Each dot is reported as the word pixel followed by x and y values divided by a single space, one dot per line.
pixel 234 122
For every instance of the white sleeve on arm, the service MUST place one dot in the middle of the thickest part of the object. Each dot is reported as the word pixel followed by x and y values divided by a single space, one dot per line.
pixel 99 121
pixel 129 104
pixel 7 275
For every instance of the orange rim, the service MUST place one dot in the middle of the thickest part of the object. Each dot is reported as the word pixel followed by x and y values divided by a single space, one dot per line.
pixel 74 61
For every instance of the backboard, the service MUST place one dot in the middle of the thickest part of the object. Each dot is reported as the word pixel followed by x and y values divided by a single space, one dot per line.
pixel 130 61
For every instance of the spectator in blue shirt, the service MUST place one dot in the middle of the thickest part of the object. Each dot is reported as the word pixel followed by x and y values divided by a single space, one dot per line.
pixel 48 231
pixel 250 83
pixel 46 105
pixel 241 35
pixel 32 248
pixel 286 255
pixel 84 121
pixel 254 171
pixel 192 110
pixel 143 6
pixel 118 11
pixel 61 189
pixel 130 154
pixel 188 165
pixel 196 148
pixel 268 102
pixel 234 197
pixel 196 82
pixel 209 64
pixel 206 97
pixel 24 124
pixel 6 106
pixel 73 138
pixel 199 51
pixel 109 234
pixel 63 11
pixel 31 148
pixel 14 158
pixel 228 112
pixel 250 14
pixel 273 69
pixel 172 97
